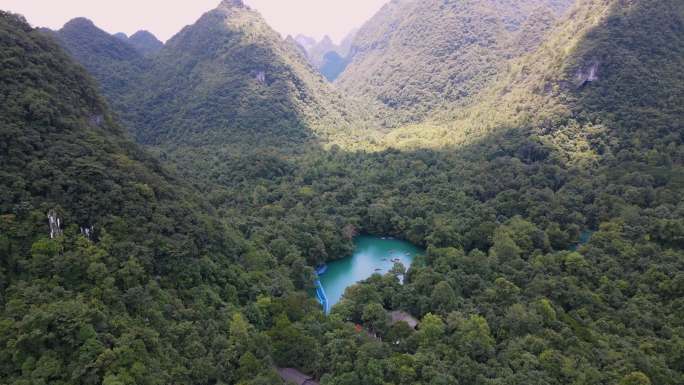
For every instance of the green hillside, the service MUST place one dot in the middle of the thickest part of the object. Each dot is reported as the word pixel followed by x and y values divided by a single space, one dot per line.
pixel 145 42
pixel 414 56
pixel 105 56
pixel 589 71
pixel 501 190
pixel 230 77
pixel 137 282
pixel 501 195
pixel 115 63
pixel 544 177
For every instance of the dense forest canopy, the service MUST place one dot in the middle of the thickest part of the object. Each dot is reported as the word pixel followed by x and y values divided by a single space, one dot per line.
pixel 545 185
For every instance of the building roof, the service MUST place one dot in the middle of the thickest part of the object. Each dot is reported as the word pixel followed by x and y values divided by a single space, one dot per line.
pixel 294 376
pixel 399 315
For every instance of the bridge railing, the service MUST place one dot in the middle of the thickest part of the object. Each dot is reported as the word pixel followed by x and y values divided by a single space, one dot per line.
pixel 322 298
pixel 320 292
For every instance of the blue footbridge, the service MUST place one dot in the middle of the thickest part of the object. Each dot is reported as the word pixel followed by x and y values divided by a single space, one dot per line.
pixel 320 292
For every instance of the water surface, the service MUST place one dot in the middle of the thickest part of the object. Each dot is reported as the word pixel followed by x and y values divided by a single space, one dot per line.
pixel 371 255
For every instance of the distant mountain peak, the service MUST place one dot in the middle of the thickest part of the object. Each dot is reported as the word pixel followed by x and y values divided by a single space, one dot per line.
pixel 307 42
pixel 145 42
pixel 80 22
pixel 81 34
pixel 326 56
pixel 144 34
pixel 234 70
pixel 238 15
pixel 99 52
pixel 232 4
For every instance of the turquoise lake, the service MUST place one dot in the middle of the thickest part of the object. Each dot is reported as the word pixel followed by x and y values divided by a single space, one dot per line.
pixel 371 255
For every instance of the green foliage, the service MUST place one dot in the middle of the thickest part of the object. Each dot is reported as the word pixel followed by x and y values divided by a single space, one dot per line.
pixel 116 63
pixel 145 297
pixel 227 79
pixel 415 56
pixel 375 318
pixel 206 284
pixel 145 42
pixel 635 378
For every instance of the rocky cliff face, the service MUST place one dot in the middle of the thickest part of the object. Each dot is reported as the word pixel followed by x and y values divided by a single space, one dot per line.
pixel 55 224
pixel 587 74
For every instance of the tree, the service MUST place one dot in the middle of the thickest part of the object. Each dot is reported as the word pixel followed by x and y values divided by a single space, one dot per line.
pixel 431 330
pixel 545 308
pixel 249 366
pixel 375 318
pixel 291 347
pixel 476 337
pixel 635 378
pixel 505 291
pixel 504 248
pixel 443 298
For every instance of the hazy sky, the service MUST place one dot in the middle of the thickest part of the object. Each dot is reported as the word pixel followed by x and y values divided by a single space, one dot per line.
pixel 166 17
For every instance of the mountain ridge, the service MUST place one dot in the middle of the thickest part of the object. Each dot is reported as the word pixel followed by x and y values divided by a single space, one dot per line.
pixel 271 73
pixel 113 61
pixel 463 44
pixel 145 42
pixel 272 90
pixel 329 58
pixel 547 200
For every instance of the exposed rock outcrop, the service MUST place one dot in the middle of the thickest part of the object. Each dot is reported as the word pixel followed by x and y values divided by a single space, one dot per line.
pixel 55 223
pixel 587 74
pixel 88 232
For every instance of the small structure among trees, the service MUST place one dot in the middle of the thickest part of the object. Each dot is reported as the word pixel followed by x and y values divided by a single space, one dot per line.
pixel 294 376
pixel 398 315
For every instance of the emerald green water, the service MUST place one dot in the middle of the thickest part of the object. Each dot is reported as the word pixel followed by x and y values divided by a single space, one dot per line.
pixel 372 255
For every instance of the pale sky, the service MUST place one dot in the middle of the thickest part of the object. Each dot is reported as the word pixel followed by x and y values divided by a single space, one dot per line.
pixel 164 18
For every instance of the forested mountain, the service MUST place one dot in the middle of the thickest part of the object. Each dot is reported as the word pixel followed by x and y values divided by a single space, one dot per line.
pixel 112 60
pixel 546 189
pixel 228 78
pixel 414 56
pixel 588 70
pixel 329 58
pixel 145 42
pixel 317 51
pixel 231 77
pixel 104 255
pixel 344 48
pixel 333 65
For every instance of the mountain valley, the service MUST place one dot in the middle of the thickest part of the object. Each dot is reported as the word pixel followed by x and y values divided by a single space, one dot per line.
pixel 532 150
